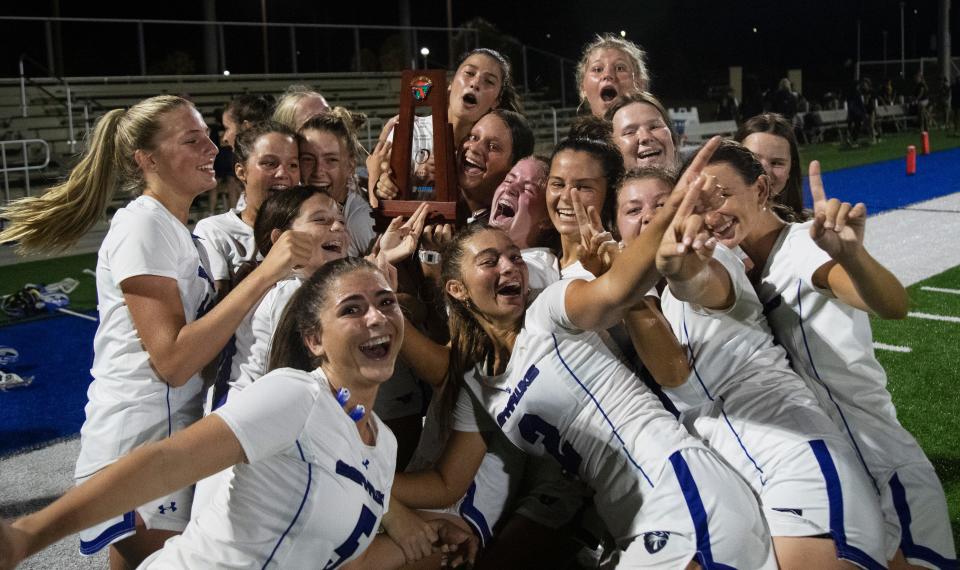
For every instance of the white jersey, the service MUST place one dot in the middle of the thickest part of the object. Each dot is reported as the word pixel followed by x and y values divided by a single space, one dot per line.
pixel 831 345
pixel 358 217
pixel 312 493
pixel 543 268
pixel 228 241
pixel 565 394
pixel 128 404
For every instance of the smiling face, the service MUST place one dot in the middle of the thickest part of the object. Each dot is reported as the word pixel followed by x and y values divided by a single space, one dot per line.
pixel 493 278
pixel 361 329
pixel 643 137
pixel 321 218
pixel 741 206
pixel 325 162
pixel 475 88
pixel 569 170
pixel 519 205
pixel 484 160
pixel 609 73
pixel 182 157
pixel 637 203
pixel 774 154
pixel 272 166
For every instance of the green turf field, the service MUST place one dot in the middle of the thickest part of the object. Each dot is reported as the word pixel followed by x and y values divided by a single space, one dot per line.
pixel 83 298
pixel 924 381
pixel 833 156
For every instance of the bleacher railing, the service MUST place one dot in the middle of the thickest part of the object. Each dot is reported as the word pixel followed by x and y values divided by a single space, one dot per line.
pixel 9 165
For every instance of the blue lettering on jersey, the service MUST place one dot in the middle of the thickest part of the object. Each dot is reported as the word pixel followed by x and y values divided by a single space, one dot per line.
pixel 364 527
pixel 654 541
pixel 209 299
pixel 357 477
pixel 172 508
pixel 517 394
pixel 533 428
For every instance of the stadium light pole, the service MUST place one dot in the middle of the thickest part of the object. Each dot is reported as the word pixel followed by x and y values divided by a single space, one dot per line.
pixel 266 52
pixel 903 48
pixel 425 51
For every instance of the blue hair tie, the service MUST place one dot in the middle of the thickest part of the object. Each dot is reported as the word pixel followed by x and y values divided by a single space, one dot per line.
pixel 357 412
pixel 343 396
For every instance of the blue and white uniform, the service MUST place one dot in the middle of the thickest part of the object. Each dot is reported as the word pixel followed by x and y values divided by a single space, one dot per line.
pixel 831 346
pixel 228 241
pixel 128 404
pixel 665 497
pixel 743 399
pixel 312 493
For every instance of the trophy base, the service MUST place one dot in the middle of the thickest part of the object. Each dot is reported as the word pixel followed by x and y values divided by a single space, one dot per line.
pixel 439 212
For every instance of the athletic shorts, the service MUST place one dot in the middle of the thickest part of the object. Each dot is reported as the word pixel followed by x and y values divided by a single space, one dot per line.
pixel 916 517
pixel 699 509
pixel 171 512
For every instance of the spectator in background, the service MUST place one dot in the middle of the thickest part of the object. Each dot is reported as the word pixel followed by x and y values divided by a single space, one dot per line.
pixel 752 97
pixel 729 107
pixel 887 94
pixel 784 100
pixel 921 101
pixel 856 112
pixel 943 101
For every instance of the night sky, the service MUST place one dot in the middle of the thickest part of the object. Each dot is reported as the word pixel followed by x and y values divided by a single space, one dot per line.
pixel 690 43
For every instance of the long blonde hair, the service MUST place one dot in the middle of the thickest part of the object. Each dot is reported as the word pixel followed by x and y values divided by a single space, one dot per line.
pixel 59 217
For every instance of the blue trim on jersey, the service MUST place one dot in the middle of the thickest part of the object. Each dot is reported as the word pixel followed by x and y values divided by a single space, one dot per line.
pixel 816 373
pixel 470 513
pixel 110 534
pixel 593 398
pixel 911 549
pixel 698 513
pixel 306 493
pixel 169 414
pixel 835 501
pixel 221 385
pixel 693 366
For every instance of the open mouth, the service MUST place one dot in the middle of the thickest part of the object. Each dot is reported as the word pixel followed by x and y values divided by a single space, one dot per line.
pixel 208 168
pixel 650 153
pixel 512 289
pixel 566 214
pixel 608 93
pixel 376 348
pixel 470 98
pixel 335 246
pixel 504 210
pixel 471 167
pixel 278 187
pixel 724 231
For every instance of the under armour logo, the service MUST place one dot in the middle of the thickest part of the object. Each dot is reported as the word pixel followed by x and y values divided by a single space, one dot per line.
pixel 172 508
pixel 798 512
pixel 655 541
pixel 366 463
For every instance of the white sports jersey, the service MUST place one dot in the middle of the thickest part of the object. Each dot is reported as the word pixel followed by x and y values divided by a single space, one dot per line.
pixel 831 346
pixel 126 398
pixel 358 217
pixel 312 493
pixel 228 242
pixel 543 268
pixel 743 399
pixel 576 270
pixel 128 404
pixel 565 394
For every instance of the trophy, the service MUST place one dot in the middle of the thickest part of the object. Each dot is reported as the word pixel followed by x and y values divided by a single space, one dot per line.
pixel 426 173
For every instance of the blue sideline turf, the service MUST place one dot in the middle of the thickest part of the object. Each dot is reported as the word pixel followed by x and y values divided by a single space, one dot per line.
pixel 885 186
pixel 58 352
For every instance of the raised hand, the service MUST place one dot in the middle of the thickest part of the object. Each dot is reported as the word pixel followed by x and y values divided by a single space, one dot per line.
pixel 400 239
pixel 689 178
pixel 435 236
pixel 687 234
pixel 378 157
pixel 290 252
pixel 837 226
pixel 597 248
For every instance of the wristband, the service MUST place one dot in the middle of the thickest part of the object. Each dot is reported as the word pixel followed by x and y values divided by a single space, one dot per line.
pixel 429 257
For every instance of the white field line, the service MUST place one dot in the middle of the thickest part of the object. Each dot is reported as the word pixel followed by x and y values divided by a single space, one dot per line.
pixel 941 290
pixel 930 317
pixel 891 347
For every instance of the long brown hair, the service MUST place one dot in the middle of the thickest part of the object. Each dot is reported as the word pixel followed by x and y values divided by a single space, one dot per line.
pixel 789 203
pixel 60 216
pixel 301 317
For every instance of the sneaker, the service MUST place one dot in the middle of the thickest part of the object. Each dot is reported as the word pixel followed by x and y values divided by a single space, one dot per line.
pixel 10 380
